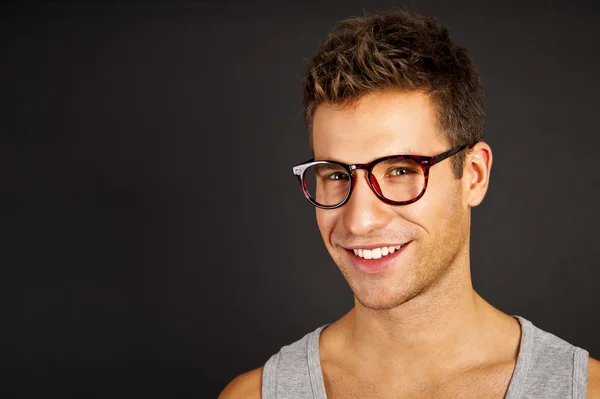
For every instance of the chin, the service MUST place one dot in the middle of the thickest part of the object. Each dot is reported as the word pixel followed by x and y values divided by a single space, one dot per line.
pixel 377 301
pixel 380 291
pixel 381 296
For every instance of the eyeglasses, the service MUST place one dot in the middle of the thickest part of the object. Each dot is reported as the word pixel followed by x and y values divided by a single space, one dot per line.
pixel 395 179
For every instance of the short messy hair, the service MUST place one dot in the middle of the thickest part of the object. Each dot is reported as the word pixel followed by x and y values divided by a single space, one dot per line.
pixel 398 51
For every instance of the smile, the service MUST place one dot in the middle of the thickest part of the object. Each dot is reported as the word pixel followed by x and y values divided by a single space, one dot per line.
pixel 376 253
pixel 375 260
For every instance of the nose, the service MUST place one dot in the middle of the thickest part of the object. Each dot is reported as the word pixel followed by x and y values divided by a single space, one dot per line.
pixel 364 212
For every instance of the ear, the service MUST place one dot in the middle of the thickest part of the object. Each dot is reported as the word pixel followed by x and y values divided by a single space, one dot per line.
pixel 476 173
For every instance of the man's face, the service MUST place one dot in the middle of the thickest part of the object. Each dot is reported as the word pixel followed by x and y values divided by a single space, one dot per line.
pixel 433 230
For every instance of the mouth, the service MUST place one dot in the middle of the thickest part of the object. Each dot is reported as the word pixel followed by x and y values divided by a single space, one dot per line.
pixel 375 259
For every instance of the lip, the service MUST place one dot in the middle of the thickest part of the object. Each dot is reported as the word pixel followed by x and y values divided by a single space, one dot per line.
pixel 375 265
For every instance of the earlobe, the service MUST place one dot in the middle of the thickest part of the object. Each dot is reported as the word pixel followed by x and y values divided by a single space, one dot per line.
pixel 479 165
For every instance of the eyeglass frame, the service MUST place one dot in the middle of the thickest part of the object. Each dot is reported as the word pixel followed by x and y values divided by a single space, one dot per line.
pixel 425 162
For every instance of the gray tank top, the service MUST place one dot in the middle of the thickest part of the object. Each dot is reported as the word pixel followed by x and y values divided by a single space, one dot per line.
pixel 547 367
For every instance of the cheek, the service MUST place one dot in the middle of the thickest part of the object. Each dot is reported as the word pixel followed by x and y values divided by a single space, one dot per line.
pixel 438 206
pixel 446 215
pixel 326 222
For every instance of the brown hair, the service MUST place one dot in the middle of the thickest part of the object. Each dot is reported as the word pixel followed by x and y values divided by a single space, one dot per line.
pixel 398 50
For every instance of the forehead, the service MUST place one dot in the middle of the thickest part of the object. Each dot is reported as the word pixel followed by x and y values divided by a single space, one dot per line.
pixel 379 124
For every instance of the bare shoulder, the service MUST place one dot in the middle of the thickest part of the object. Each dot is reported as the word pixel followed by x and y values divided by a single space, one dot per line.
pixel 593 379
pixel 244 386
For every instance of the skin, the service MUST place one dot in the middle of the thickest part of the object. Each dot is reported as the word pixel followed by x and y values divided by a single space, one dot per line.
pixel 437 224
pixel 418 329
pixel 424 307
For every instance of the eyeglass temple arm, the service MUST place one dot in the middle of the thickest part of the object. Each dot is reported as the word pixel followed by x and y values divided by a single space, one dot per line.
pixel 444 155
pixel 299 169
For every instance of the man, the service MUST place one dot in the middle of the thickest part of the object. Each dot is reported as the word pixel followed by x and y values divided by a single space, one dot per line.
pixel 395 117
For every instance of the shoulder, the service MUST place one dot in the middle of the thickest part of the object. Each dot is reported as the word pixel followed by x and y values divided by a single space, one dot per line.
pixel 593 379
pixel 244 386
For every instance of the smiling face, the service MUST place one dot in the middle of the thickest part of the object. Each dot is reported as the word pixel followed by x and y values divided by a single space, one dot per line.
pixel 433 231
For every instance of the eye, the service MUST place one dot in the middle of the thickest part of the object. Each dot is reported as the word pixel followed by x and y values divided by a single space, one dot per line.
pixel 401 171
pixel 336 176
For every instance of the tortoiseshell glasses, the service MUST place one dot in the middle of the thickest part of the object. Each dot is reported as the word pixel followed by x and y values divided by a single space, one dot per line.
pixel 395 179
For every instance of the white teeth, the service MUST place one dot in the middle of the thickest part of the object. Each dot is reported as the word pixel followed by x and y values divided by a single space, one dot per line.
pixel 376 253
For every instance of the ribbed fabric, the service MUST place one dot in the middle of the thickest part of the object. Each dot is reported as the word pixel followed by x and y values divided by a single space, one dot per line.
pixel 580 373
pixel 547 367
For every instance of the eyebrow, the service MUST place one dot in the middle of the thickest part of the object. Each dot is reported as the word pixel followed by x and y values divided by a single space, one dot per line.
pixel 406 153
pixel 328 166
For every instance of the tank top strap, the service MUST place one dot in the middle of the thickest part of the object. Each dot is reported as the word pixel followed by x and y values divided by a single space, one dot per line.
pixel 547 366
pixel 314 364
pixel 295 371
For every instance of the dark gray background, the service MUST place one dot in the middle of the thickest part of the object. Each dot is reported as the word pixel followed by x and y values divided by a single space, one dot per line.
pixel 154 240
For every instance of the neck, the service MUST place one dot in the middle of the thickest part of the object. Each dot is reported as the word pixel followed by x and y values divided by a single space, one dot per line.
pixel 440 326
